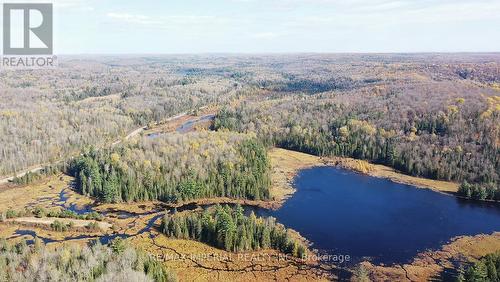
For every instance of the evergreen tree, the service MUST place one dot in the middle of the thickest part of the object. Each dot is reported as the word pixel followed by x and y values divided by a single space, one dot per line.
pixel 231 230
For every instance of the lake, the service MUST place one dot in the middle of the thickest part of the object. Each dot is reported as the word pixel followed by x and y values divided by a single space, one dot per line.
pixel 346 213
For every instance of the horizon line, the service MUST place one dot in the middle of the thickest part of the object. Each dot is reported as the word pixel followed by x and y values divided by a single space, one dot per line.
pixel 283 53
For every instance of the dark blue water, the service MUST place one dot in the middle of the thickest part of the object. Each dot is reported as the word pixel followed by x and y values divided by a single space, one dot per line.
pixel 63 198
pixel 345 213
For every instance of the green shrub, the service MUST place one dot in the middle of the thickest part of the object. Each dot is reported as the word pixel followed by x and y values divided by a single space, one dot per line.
pixel 59 226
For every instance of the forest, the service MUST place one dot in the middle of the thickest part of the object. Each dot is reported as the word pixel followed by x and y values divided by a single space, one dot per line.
pixel 486 269
pixel 116 262
pixel 176 168
pixel 230 229
pixel 426 115
pixel 452 136
pixel 48 116
pixel 435 116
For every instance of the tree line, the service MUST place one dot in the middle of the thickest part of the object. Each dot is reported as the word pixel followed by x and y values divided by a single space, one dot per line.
pixel 175 167
pixel 40 212
pixel 455 140
pixel 48 117
pixel 480 191
pixel 31 177
pixel 116 262
pixel 230 229
pixel 486 269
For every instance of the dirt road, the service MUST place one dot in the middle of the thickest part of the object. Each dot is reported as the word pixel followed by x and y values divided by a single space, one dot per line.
pixel 133 133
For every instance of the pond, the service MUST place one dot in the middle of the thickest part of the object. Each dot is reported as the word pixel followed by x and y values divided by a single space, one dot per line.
pixel 189 125
pixel 345 213
pixel 186 126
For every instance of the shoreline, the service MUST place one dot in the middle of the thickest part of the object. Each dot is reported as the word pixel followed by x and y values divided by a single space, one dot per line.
pixel 270 205
pixel 382 171
pixel 423 265
pixel 432 263
pixel 286 164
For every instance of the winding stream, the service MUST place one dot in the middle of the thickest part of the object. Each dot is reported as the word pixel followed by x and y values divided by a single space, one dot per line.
pixel 343 213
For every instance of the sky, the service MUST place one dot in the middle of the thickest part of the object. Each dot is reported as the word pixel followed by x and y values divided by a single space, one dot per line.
pixel 274 26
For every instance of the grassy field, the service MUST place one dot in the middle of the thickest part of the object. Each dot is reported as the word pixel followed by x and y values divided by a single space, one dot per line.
pixel 194 261
pixel 45 193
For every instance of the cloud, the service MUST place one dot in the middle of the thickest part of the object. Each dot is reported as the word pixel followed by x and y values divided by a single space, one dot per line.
pixel 264 35
pixel 133 18
pixel 384 13
pixel 168 21
pixel 298 24
pixel 82 5
pixel 72 3
pixel 425 9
